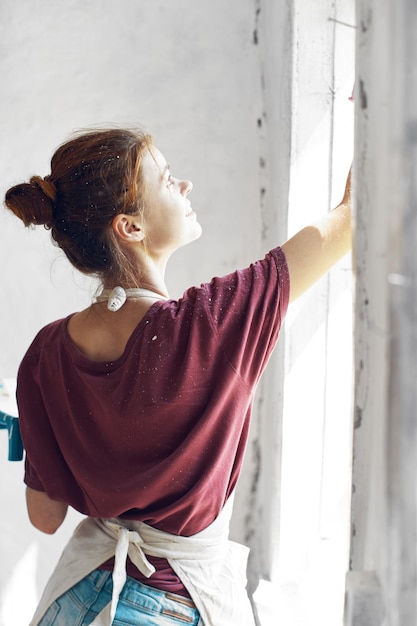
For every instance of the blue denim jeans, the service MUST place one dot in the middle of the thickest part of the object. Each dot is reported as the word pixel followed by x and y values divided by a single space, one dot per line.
pixel 138 604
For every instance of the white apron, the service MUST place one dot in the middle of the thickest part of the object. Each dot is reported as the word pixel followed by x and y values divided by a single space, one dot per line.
pixel 212 568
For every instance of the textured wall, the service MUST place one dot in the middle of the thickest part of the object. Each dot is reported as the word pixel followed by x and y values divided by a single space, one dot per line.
pixel 382 582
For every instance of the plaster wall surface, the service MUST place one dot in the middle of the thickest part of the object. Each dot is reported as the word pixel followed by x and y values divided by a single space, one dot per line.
pixel 383 563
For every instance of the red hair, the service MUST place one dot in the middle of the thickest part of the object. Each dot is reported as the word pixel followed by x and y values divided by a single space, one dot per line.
pixel 94 176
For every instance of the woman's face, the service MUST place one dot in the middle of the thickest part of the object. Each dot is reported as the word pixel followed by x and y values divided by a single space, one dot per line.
pixel 169 221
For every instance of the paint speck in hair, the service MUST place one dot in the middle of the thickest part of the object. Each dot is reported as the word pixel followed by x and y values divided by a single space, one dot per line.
pixel 154 337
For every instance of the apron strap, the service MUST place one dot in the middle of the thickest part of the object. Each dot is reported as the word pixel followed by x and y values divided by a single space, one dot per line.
pixel 128 542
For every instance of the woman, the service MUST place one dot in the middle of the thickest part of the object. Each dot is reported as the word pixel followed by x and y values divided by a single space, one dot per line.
pixel 136 410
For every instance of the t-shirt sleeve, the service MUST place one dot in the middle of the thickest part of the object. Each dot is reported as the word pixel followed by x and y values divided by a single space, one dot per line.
pixel 42 452
pixel 247 310
pixel 31 477
pixel 29 410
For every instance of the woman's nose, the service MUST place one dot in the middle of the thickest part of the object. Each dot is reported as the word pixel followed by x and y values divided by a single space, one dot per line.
pixel 186 186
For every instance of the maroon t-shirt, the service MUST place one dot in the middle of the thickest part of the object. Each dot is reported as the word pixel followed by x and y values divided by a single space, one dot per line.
pixel 157 435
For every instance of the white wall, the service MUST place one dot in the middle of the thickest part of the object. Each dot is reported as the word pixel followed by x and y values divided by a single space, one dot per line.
pixel 382 583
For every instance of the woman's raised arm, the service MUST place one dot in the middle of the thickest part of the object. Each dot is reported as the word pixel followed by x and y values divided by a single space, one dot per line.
pixel 316 248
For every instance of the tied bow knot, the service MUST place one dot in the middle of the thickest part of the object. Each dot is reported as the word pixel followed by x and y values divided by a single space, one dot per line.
pixel 129 542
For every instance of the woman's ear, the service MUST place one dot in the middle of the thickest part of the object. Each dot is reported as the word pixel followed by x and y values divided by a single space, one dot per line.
pixel 128 228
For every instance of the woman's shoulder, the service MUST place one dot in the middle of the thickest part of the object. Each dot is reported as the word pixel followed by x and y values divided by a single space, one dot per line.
pixel 48 333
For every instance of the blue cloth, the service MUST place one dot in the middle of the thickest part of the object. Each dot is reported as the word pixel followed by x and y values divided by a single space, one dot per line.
pixel 15 440
pixel 138 604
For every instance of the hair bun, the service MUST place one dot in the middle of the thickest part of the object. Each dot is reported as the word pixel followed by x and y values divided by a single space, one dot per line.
pixel 46 185
pixel 33 202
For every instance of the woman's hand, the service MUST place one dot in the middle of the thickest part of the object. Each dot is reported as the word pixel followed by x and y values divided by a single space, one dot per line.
pixel 347 197
pixel 45 514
